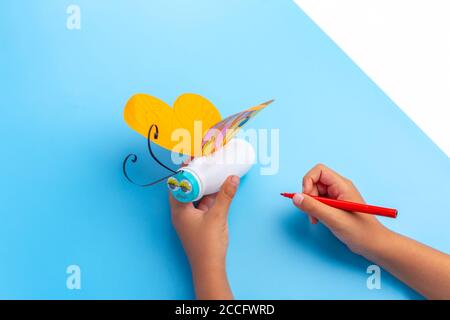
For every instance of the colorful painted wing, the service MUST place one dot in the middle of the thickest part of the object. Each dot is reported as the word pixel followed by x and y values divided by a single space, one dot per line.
pixel 223 131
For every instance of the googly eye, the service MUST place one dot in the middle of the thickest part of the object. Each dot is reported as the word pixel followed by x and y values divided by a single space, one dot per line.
pixel 185 186
pixel 173 184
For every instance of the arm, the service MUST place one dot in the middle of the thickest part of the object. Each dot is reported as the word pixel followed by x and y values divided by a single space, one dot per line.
pixel 203 232
pixel 422 268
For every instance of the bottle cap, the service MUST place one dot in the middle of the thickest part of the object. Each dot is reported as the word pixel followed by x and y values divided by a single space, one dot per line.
pixel 185 186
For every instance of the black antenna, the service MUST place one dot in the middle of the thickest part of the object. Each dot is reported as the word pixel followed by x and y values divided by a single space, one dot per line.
pixel 155 136
pixel 134 159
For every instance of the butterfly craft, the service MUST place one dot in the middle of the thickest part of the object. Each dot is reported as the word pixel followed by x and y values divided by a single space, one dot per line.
pixel 196 117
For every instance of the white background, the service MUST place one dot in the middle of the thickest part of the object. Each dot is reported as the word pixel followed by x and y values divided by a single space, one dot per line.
pixel 403 46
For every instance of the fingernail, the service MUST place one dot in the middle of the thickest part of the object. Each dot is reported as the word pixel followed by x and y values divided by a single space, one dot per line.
pixel 298 199
pixel 235 180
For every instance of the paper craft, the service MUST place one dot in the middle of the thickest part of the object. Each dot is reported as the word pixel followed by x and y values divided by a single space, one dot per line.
pixel 142 111
pixel 221 133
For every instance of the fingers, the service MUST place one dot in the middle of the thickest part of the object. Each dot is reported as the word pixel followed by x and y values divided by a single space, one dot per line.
pixel 313 183
pixel 316 209
pixel 321 180
pixel 313 220
pixel 206 203
pixel 226 194
pixel 319 174
pixel 177 206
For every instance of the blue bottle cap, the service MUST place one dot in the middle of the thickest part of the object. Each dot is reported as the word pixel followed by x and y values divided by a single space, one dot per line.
pixel 184 186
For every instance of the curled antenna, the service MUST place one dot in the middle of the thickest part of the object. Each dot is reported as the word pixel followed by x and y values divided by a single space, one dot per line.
pixel 134 158
pixel 155 136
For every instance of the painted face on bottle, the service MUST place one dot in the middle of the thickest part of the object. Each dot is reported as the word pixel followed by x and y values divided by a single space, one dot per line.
pixel 184 186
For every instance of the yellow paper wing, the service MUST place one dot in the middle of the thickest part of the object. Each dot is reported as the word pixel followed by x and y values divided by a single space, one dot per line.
pixel 191 113
pixel 142 110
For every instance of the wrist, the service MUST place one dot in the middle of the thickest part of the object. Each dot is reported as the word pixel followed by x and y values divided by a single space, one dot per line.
pixel 379 244
pixel 205 261
pixel 208 270
pixel 211 282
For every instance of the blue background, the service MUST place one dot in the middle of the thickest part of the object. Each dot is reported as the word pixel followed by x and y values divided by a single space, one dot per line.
pixel 64 200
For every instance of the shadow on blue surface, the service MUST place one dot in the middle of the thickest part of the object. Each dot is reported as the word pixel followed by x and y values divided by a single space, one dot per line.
pixel 326 245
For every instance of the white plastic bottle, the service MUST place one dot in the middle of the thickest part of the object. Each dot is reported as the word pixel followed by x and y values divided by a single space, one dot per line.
pixel 205 175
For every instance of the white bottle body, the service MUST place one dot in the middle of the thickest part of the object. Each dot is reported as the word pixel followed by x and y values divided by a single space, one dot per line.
pixel 235 158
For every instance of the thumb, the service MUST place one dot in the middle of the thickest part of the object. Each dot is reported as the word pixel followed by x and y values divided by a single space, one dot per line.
pixel 328 215
pixel 226 194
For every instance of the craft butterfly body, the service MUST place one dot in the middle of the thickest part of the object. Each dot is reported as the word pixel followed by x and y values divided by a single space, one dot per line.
pixel 193 118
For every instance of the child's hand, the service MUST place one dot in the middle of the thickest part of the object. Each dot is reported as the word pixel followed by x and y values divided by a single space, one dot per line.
pixel 360 232
pixel 204 234
pixel 423 268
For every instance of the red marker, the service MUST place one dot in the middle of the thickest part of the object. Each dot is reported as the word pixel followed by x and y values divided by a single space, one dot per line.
pixel 352 206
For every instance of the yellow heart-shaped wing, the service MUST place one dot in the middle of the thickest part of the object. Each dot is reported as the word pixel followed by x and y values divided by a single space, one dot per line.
pixel 181 128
